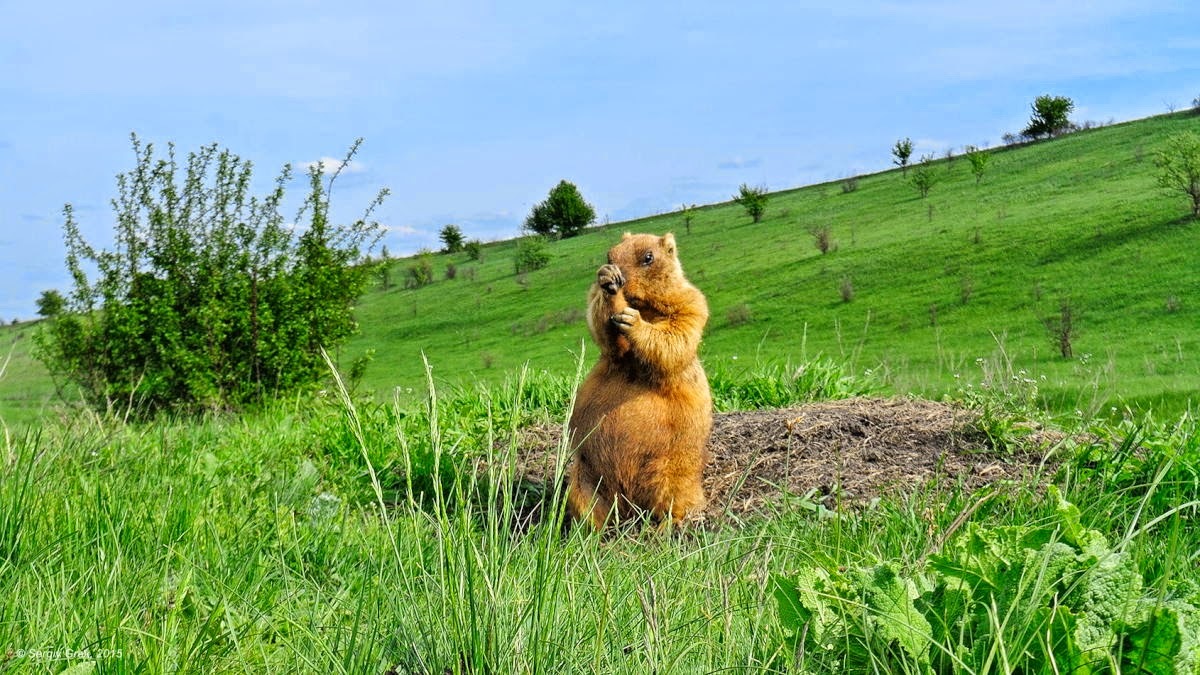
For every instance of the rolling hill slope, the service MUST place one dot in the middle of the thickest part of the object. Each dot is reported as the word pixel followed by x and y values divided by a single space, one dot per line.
pixel 956 288
pixel 952 290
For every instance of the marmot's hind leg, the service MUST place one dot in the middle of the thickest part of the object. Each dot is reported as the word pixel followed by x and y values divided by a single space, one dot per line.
pixel 585 502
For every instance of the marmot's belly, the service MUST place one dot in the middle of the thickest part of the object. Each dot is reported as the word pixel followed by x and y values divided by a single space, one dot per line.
pixel 643 432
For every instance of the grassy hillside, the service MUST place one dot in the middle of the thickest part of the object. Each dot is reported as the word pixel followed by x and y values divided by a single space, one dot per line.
pixel 946 291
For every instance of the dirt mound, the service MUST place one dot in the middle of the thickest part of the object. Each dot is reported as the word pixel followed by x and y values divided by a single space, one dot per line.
pixel 830 453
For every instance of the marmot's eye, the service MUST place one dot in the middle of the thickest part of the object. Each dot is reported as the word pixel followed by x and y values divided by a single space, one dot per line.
pixel 648 257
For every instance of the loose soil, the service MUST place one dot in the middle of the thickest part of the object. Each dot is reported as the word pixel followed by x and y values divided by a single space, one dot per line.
pixel 833 454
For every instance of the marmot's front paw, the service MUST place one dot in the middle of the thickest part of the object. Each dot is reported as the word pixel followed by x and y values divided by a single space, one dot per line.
pixel 626 319
pixel 610 279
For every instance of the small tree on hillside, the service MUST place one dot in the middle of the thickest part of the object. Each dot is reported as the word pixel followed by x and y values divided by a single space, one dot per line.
pixel 1051 116
pixel 452 239
pixel 50 304
pixel 902 151
pixel 689 214
pixel 753 199
pixel 979 160
pixel 1179 167
pixel 209 299
pixel 923 177
pixel 563 213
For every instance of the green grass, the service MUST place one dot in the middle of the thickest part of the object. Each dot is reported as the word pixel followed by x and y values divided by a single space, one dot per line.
pixel 1078 218
pixel 353 534
pixel 349 536
pixel 968 273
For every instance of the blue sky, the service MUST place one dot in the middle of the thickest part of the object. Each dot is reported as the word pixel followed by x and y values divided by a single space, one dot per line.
pixel 471 112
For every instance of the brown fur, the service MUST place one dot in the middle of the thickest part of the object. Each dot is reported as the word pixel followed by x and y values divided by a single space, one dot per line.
pixel 643 415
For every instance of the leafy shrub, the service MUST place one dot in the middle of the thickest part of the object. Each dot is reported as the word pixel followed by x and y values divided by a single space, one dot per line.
pixel 1049 599
pixel 451 271
pixel 473 249
pixel 823 238
pixel 532 254
pixel 1179 167
pixel 849 184
pixel 753 199
pixel 208 299
pixel 979 160
pixel 689 214
pixel 923 177
pixel 419 273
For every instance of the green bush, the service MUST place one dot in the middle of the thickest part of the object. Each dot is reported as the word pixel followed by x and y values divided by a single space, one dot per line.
pixel 923 177
pixel 753 199
pixel 1179 167
pixel 532 254
pixel 419 273
pixel 208 300
pixel 473 249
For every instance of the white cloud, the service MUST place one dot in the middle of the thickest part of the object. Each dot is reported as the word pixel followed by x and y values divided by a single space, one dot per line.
pixel 740 163
pixel 403 229
pixel 330 165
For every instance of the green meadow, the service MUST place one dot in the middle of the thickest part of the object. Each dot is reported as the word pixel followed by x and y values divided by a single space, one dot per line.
pixel 380 525
pixel 974 271
pixel 971 272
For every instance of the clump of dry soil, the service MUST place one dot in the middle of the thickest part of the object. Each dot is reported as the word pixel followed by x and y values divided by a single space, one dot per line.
pixel 835 453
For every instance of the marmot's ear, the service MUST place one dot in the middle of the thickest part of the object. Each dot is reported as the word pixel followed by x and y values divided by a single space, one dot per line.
pixel 668 242
pixel 625 236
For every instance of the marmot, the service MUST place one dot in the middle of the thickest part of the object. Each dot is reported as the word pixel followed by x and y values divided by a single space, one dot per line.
pixel 643 415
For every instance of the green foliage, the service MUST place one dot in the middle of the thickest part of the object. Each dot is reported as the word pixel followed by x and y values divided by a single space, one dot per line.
pixel 753 199
pixel 979 161
pixel 383 270
pixel 1010 598
pixel 50 304
pixel 533 253
pixel 924 177
pixel 1028 209
pixel 338 534
pixel 208 300
pixel 473 249
pixel 419 272
pixel 689 214
pixel 781 386
pixel 902 151
pixel 451 237
pixel 1179 167
pixel 563 213
pixel 1051 116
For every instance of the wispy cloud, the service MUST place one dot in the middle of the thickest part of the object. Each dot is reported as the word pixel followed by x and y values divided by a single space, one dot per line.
pixel 740 163
pixel 403 230
pixel 330 165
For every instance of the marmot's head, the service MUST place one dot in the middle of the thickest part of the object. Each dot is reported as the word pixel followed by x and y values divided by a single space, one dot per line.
pixel 648 262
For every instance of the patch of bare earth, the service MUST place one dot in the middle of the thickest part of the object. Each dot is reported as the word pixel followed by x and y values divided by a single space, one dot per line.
pixel 832 453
